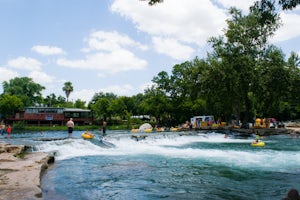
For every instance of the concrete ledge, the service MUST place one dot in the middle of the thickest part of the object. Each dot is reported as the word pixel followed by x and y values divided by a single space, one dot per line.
pixel 20 172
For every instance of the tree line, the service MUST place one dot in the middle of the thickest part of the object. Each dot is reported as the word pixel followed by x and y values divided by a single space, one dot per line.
pixel 243 77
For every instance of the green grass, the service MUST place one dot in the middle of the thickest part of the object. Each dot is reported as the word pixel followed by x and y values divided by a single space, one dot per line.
pixel 21 127
pixel 64 128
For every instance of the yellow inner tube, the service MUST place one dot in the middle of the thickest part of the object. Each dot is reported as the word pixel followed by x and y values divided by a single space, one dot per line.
pixel 258 144
pixel 148 130
pixel 87 136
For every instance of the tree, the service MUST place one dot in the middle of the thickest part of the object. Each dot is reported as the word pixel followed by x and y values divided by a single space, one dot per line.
pixel 285 4
pixel 293 100
pixel 118 108
pixel 100 108
pixel 152 2
pixel 245 44
pixel 289 4
pixel 68 88
pixel 24 88
pixel 100 95
pixel 137 99
pixel 79 104
pixel 61 101
pixel 10 104
pixel 100 104
pixel 273 83
pixel 156 104
pixel 51 100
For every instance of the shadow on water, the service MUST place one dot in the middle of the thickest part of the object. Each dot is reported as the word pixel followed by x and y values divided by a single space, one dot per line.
pixel 101 141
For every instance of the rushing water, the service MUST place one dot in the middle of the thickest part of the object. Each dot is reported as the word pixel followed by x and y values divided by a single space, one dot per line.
pixel 190 165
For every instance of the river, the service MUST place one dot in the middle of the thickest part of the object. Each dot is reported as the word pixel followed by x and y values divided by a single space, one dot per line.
pixel 188 165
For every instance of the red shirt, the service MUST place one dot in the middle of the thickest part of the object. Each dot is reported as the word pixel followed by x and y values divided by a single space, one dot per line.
pixel 8 130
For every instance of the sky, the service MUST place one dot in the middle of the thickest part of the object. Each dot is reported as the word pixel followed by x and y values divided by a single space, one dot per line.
pixel 115 46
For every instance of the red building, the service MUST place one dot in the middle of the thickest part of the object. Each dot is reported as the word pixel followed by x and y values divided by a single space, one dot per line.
pixel 52 116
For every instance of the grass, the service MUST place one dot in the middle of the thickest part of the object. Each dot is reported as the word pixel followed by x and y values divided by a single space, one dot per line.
pixel 64 128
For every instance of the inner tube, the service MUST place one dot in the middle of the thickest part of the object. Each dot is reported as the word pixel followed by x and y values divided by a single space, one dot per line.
pixel 258 144
pixel 87 136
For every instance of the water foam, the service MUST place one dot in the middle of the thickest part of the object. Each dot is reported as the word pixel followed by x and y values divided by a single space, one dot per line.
pixel 176 146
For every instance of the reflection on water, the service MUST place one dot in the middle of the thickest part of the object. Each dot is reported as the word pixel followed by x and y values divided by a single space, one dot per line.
pixel 168 166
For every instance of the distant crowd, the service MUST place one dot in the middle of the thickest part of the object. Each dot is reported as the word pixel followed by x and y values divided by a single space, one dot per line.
pixel 4 129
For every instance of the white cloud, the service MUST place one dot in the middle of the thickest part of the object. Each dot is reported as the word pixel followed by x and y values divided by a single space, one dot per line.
pixel 173 48
pixel 290 28
pixel 7 74
pixel 109 53
pixel 192 22
pixel 146 86
pixel 87 94
pixel 120 90
pixel 41 77
pixel 25 63
pixel 243 5
pixel 110 41
pixel 84 95
pixel 290 20
pixel 188 22
pixel 47 50
pixel 113 62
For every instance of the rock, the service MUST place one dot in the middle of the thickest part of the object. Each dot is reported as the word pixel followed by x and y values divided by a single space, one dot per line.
pixel 20 172
pixel 11 148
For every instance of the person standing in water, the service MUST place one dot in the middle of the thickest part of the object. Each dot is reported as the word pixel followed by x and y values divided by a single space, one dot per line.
pixel 70 125
pixel 2 128
pixel 104 123
pixel 8 130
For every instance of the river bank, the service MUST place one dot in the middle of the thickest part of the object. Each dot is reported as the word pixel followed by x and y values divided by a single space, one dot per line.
pixel 21 171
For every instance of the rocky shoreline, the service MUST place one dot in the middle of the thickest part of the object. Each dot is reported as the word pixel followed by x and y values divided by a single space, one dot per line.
pixel 21 171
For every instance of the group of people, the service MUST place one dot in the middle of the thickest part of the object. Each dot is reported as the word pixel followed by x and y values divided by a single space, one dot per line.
pixel 3 129
pixel 70 125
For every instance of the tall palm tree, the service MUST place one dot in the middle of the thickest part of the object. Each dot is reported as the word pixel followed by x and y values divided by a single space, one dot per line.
pixel 68 88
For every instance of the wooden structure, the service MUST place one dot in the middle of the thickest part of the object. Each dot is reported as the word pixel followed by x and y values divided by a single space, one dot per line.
pixel 52 116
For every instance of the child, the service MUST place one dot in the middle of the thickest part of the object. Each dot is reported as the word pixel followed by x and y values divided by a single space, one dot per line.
pixel 8 130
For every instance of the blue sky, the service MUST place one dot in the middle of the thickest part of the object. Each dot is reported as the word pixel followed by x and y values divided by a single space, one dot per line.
pixel 113 45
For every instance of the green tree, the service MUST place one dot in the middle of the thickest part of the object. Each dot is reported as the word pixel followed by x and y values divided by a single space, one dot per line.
pixel 100 95
pixel 68 88
pixel 118 108
pixel 156 104
pixel 285 4
pixel 25 89
pixel 245 44
pixel 137 100
pixel 10 104
pixel 79 104
pixel 291 109
pixel 51 100
pixel 61 101
pixel 289 4
pixel 274 81
pixel 100 108
pixel 100 104
pixel 152 2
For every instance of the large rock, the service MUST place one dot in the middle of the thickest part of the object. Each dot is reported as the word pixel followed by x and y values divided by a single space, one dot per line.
pixel 20 172
pixel 15 149
pixel 145 126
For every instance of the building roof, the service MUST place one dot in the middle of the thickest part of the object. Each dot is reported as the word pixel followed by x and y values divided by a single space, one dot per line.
pixel 76 110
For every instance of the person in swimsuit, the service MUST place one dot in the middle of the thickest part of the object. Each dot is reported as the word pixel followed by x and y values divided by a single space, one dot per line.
pixel 70 125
